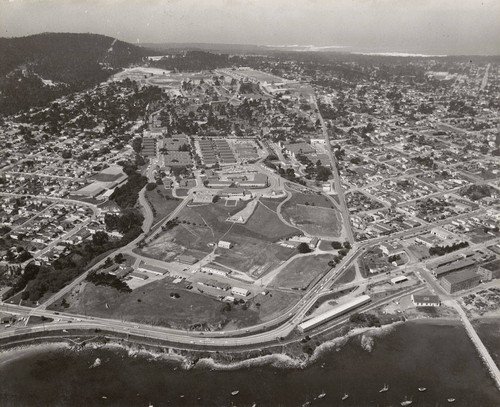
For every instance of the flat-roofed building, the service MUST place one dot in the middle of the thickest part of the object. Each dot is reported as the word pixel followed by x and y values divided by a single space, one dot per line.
pixel 453 266
pixel 211 268
pixel 398 280
pixel 235 193
pixel 259 181
pixel 186 259
pixel 489 271
pixel 299 148
pixel 147 268
pixel 459 281
pixel 139 276
pixel 215 284
pixel 224 244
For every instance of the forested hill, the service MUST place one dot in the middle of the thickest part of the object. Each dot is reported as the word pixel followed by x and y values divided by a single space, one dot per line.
pixel 39 68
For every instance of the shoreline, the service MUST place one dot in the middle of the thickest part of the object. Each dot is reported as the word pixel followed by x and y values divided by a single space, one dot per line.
pixel 232 360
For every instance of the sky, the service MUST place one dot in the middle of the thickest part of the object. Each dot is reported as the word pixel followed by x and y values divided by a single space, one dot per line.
pixel 424 26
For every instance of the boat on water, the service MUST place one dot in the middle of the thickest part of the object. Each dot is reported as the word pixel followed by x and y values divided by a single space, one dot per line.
pixel 451 400
pixel 345 396
pixel 321 395
pixel 406 402
pixel 235 392
pixel 384 389
pixel 422 388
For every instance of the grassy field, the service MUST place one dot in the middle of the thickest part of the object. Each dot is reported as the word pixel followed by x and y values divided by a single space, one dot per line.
pixel 152 304
pixel 198 226
pixel 162 202
pixel 182 191
pixel 271 203
pixel 299 198
pixel 347 277
pixel 302 271
pixel 253 250
pixel 314 220
pixel 253 256
pixel 266 223
pixel 325 245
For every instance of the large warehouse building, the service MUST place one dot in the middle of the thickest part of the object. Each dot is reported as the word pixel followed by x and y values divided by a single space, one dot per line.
pixel 459 281
pixel 334 313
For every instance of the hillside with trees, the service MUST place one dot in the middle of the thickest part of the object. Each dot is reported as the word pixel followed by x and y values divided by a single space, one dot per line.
pixel 37 69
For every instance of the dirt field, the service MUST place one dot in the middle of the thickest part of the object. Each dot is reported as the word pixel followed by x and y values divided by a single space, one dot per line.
pixel 302 271
pixel 313 220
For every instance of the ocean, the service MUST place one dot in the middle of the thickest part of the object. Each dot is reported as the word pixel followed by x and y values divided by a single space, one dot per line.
pixel 436 356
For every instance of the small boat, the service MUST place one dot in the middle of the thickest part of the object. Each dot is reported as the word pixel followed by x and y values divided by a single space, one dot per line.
pixel 406 402
pixel 422 388
pixel 451 400
pixel 321 395
pixel 384 389
pixel 345 396
pixel 235 392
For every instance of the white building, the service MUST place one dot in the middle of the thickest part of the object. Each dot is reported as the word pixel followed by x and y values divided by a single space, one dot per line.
pixel 213 269
pixel 399 280
pixel 240 291
pixel 426 300
pixel 224 244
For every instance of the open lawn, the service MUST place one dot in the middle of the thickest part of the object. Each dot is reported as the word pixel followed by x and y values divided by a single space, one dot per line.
pixel 153 304
pixel 162 202
pixel 314 220
pixel 302 271
pixel 182 191
pixel 325 245
pixel 265 222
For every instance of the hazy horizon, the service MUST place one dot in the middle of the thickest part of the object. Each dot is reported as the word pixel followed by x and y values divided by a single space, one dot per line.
pixel 420 26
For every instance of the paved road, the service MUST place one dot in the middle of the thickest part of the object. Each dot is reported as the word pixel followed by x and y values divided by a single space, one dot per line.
pixel 336 176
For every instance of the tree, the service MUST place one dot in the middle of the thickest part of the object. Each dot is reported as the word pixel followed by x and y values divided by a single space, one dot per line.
pixel 137 144
pixel 336 245
pixel 303 248
pixel 119 258
pixel 100 238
